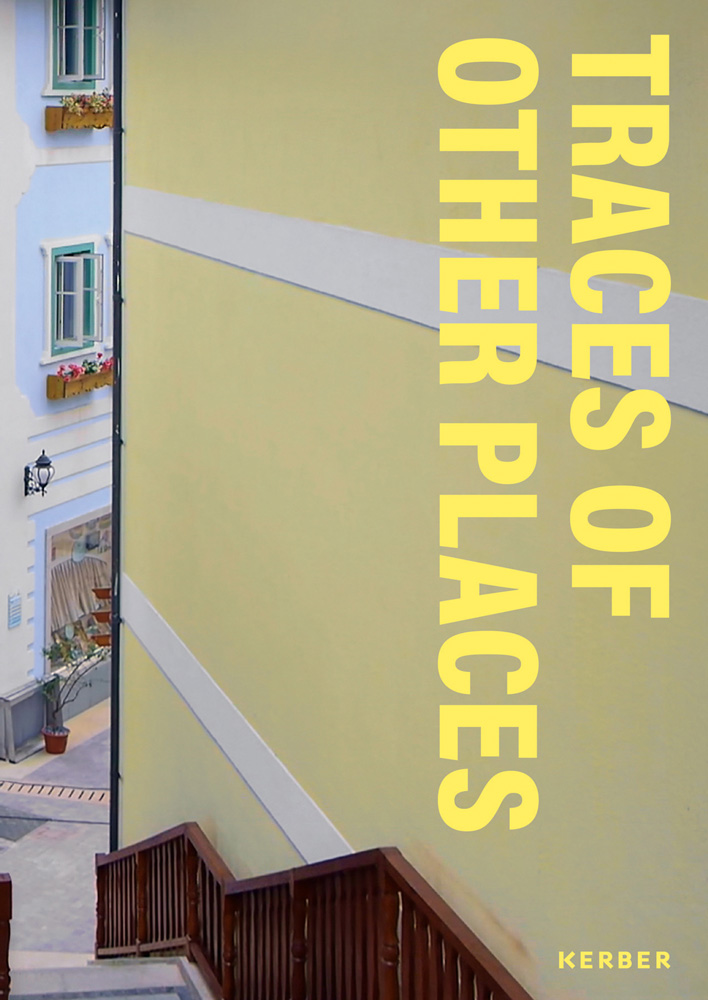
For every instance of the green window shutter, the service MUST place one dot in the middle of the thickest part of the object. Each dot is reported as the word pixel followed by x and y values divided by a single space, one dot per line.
pixel 89 301
pixel 91 39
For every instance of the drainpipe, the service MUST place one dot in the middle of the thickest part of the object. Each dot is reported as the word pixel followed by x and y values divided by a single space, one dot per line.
pixel 117 304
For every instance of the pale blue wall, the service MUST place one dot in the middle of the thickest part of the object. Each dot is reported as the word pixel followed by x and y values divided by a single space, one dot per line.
pixel 62 202
pixel 32 74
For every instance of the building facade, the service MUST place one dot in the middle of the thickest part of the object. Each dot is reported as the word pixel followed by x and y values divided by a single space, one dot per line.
pixel 55 205
pixel 286 680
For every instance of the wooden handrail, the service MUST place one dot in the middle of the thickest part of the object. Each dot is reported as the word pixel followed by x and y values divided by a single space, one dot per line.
pixel 5 918
pixel 320 869
pixel 192 832
pixel 165 894
pixel 143 845
pixel 365 926
pixel 409 881
pixel 446 921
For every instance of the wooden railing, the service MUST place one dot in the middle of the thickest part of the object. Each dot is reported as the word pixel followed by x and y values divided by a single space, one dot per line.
pixel 164 895
pixel 5 918
pixel 363 927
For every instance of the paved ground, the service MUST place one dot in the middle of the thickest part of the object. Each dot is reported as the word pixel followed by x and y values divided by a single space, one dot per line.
pixel 85 766
pixel 47 844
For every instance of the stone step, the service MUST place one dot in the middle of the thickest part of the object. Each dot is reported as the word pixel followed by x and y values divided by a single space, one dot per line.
pixel 107 995
pixel 47 959
pixel 139 979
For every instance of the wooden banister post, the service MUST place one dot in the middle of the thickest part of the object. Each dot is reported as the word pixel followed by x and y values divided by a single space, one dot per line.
pixel 5 917
pixel 100 908
pixel 193 933
pixel 227 948
pixel 142 870
pixel 389 952
pixel 298 948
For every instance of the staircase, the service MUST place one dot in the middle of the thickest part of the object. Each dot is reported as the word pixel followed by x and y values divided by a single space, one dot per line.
pixel 366 926
pixel 173 922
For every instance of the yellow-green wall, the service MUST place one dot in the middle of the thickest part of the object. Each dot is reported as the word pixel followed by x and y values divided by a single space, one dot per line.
pixel 173 772
pixel 331 111
pixel 283 471
pixel 296 556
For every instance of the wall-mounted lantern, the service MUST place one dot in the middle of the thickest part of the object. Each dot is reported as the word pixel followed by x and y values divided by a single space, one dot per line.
pixel 37 476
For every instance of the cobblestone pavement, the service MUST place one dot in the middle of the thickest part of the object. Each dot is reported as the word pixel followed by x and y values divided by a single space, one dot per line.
pixel 47 844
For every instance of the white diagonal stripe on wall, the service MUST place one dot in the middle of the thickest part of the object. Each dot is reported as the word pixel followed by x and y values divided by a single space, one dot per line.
pixel 297 815
pixel 81 460
pixel 92 480
pixel 49 422
pixel 81 435
pixel 400 277
pixel 64 155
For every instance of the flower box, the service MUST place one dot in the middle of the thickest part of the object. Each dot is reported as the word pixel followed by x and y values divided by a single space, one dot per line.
pixel 56 119
pixel 58 388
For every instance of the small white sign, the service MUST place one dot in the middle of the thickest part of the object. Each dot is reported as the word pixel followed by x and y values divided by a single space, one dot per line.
pixel 14 610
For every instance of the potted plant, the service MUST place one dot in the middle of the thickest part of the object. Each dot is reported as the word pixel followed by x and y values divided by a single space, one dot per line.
pixel 71 662
pixel 73 379
pixel 80 111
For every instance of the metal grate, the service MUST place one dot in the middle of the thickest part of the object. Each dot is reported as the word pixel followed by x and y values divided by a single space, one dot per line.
pixel 95 795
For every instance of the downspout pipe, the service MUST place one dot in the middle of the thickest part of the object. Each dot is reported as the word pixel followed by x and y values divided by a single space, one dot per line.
pixel 117 439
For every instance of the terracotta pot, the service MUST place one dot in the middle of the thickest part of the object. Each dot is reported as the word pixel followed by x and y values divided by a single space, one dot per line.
pixel 55 742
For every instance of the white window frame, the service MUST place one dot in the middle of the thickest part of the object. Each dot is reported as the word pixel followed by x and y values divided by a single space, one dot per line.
pixel 108 288
pixel 100 343
pixel 80 28
pixel 75 262
pixel 95 84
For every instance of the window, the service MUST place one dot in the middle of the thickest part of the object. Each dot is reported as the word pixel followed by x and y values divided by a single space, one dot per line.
pixel 78 559
pixel 74 297
pixel 78 286
pixel 78 43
